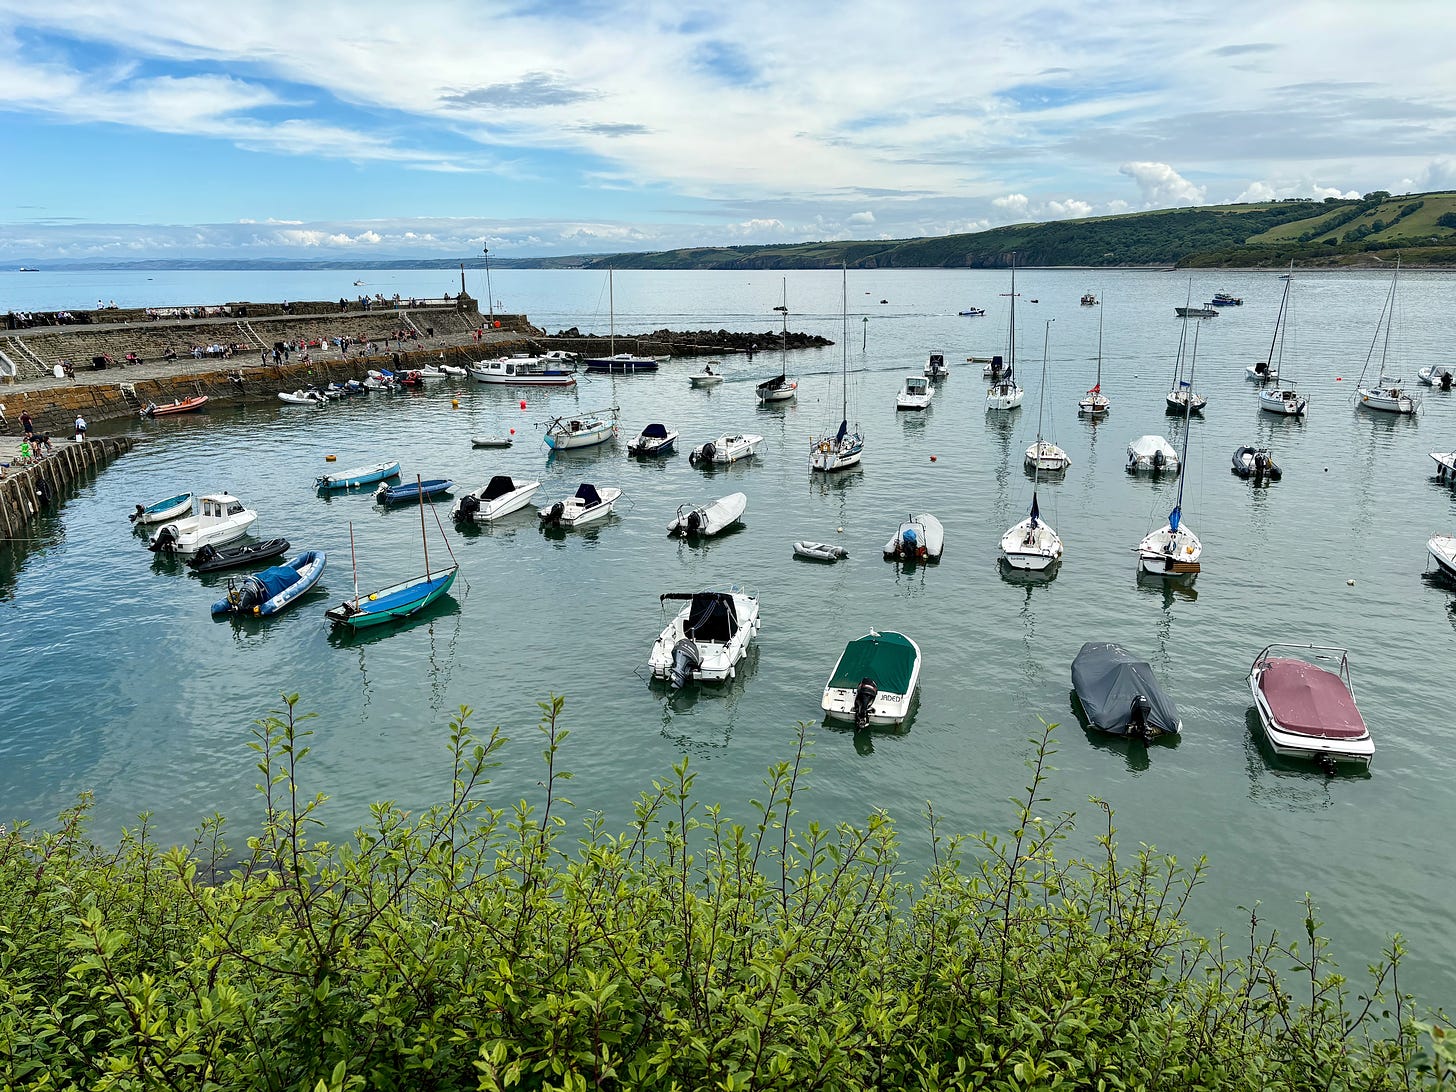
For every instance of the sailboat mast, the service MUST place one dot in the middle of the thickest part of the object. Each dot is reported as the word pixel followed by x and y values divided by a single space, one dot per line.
pixel 1040 406
pixel 424 540
pixel 1389 318
pixel 611 316
pixel 1187 428
pixel 1279 319
pixel 844 338
pixel 1100 312
pixel 354 564
pixel 1011 334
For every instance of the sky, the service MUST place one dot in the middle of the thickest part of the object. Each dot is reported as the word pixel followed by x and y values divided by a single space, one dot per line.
pixel 367 131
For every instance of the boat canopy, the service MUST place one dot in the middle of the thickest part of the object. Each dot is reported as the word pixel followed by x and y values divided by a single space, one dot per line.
pixel 498 486
pixel 275 580
pixel 588 495
pixel 1107 680
pixel 1145 447
pixel 775 383
pixel 887 658
pixel 1309 700
pixel 655 431
pixel 712 617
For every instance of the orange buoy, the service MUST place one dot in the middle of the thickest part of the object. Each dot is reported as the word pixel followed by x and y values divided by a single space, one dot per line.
pixel 523 403
pixel 933 458
pixel 330 458
pixel 513 432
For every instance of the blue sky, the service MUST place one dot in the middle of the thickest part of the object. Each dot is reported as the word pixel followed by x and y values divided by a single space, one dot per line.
pixel 144 129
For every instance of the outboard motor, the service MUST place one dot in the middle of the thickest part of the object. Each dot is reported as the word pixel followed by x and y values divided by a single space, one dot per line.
pixel 686 659
pixel 469 505
pixel 1261 465
pixel 1158 460
pixel 864 702
pixel 1446 381
pixel 709 450
pixel 246 597
pixel 381 493
pixel 909 543
pixel 555 512
pixel 695 521
pixel 166 541
pixel 202 556
pixel 1138 718
pixel 137 514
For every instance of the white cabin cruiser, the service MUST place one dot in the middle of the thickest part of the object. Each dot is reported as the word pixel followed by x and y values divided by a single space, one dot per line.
pixel 585 506
pixel 915 394
pixel 935 367
pixel 498 497
pixel 220 519
pixel 728 448
pixel 919 538
pixel 709 519
pixel 522 371
pixel 1151 454
pixel 707 639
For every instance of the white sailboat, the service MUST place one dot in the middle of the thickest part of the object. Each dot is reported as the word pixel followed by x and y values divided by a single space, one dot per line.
pixel 1045 455
pixel 1173 549
pixel 1385 393
pixel 842 449
pixel 615 362
pixel 1181 396
pixel 1096 404
pixel 1281 398
pixel 1032 544
pixel 780 388
pixel 1003 393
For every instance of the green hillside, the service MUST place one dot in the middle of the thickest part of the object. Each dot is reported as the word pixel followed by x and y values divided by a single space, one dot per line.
pixel 1422 227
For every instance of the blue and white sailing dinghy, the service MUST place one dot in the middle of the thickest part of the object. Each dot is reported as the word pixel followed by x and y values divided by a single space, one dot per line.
pixel 706 639
pixel 163 510
pixel 270 592
pixel 359 475
pixel 410 492
pixel 874 682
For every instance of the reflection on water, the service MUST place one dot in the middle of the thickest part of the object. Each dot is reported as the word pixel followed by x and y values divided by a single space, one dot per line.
pixel 1283 783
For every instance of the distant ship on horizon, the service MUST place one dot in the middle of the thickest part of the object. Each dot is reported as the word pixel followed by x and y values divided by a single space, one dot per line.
pixel 28 269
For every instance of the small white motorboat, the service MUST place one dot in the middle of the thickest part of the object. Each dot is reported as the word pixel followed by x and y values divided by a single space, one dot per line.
pixel 1286 401
pixel 935 367
pixel 498 497
pixel 819 551
pixel 915 394
pixel 1045 455
pixel 707 639
pixel 1151 454
pixel 655 439
pixel 492 441
pixel 728 448
pixel 585 506
pixel 1436 376
pixel 874 682
pixel 309 397
pixel 991 366
pixel 1309 711
pixel 710 519
pixel 220 519
pixel 707 377
pixel 1445 464
pixel 455 371
pixel 1442 549
pixel 587 430
pixel 919 538
pixel 432 374
pixel 163 510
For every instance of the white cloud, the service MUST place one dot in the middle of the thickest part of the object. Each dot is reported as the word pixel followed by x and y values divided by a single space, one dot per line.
pixel 861 218
pixel 1162 186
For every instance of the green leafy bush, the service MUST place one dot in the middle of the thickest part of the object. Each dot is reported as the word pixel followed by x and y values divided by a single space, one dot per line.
pixel 475 946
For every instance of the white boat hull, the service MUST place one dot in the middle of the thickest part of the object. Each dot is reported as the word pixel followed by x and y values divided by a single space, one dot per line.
pixel 589 434
pixel 710 519
pixel 705 380
pixel 786 393
pixel 1032 549
pixel 1047 456
pixel 1285 402
pixel 1142 456
pixel 1440 378
pixel 524 372
pixel 1294 745
pixel 1098 405
pixel 1387 400
pixel 491 510
pixel 726 449
pixel 1004 396
pixel 929 540
pixel 1166 552
pixel 827 457
pixel 575 514
pixel 1445 463
pixel 720 659
pixel 1442 549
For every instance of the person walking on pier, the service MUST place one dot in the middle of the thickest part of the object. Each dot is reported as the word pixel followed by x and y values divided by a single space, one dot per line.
pixel 80 428
pixel 27 426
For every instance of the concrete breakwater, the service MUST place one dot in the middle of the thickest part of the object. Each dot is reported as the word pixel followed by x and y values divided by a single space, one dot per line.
pixel 29 490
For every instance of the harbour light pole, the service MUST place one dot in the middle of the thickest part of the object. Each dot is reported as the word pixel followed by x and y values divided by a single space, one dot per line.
pixel 489 299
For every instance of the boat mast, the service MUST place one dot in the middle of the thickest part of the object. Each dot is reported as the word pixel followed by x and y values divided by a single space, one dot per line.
pixel 1011 333
pixel 1279 320
pixel 611 316
pixel 354 564
pixel 1389 319
pixel 1177 514
pixel 1097 387
pixel 784 344
pixel 844 352
pixel 1040 406
pixel 424 540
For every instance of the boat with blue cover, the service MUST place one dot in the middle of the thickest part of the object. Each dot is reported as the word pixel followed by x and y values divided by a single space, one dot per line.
pixel 413 491
pixel 655 439
pixel 261 595
pixel 360 475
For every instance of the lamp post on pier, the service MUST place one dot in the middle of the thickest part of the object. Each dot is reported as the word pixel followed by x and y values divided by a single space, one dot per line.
pixel 489 299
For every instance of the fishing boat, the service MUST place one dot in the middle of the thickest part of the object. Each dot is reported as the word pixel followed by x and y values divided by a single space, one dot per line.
pixel 398 601
pixel 521 371
pixel 220 519
pixel 410 492
pixel 359 475
pixel 1174 550
pixel 616 363
pixel 935 367
pixel 728 448
pixel 841 449
pixel 1256 463
pixel 491 441
pixel 1181 396
pixel 1004 393
pixel 498 497
pixel 180 405
pixel 1442 549
pixel 270 592
pixel 780 388
pixel 1196 312
pixel 1151 454
pixel 919 538
pixel 1385 394
pixel 1033 545
pixel 587 505
pixel 1434 375
pixel 706 378
pixel 1096 404
pixel 874 681
pixel 304 397
pixel 709 519
pixel 210 559
pixel 915 394
pixel 655 439
pixel 973 312
pixel 706 639
pixel 1223 299
pixel 163 510
pixel 819 551
pixel 1308 710
pixel 1120 695
pixel 588 430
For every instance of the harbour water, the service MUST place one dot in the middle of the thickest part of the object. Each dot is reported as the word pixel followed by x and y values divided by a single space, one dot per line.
pixel 121 683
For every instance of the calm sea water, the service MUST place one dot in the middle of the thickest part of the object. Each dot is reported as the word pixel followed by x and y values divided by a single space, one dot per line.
pixel 119 681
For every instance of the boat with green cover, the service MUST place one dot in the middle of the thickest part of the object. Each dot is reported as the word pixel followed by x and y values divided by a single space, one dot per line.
pixel 874 681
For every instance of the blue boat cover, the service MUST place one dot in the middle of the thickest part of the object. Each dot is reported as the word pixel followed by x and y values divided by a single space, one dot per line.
pixel 655 431
pixel 498 486
pixel 588 495
pixel 277 580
